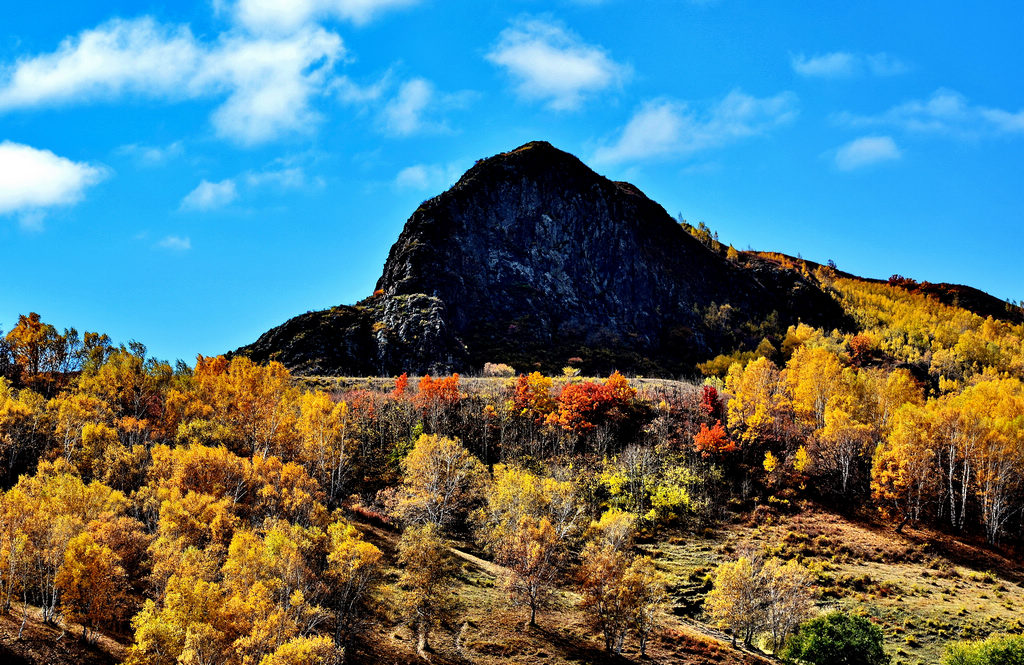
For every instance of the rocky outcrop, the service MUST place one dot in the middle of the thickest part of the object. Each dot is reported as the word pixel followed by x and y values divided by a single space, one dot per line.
pixel 533 259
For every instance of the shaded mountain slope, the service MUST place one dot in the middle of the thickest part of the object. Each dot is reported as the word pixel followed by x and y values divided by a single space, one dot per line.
pixel 532 258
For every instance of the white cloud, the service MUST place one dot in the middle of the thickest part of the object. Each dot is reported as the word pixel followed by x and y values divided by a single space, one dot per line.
pixel 415 107
pixel 290 15
pixel 428 176
pixel 829 65
pixel 843 64
pixel 554 65
pixel 32 180
pixel 209 195
pixel 176 243
pixel 271 83
pixel 293 177
pixel 152 155
pixel 944 112
pixel 350 92
pixel 403 115
pixel 665 128
pixel 866 151
pixel 268 83
pixel 119 57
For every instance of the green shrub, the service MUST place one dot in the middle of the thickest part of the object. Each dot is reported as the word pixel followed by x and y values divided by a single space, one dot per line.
pixel 996 650
pixel 836 638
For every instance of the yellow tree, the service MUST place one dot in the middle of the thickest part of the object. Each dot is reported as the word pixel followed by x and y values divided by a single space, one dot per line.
pixel 752 595
pixel 188 623
pixel 91 583
pixel 270 588
pixel 898 388
pixel 16 549
pixel 255 402
pixel 354 570
pixel 69 413
pixel 786 589
pixel 441 480
pixel 43 356
pixel 646 598
pixel 841 445
pixel 619 591
pixel 57 506
pixel 615 530
pixel 515 493
pixel 904 477
pixel 128 539
pixel 132 385
pixel 736 600
pixel 305 651
pixel 815 379
pixel 530 552
pixel 532 397
pixel 759 406
pixel 427 578
pixel 959 430
pixel 325 444
pixel 602 593
pixel 21 424
pixel 999 456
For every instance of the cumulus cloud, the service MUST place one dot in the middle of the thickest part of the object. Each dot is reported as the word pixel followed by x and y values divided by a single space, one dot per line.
pixel 944 112
pixel 281 175
pixel 404 114
pixel 268 82
pixel 427 176
pixel 289 15
pixel 271 82
pixel 176 243
pixel 117 58
pixel 210 195
pixel 666 128
pixel 32 180
pixel 416 106
pixel 350 92
pixel 553 65
pixel 866 151
pixel 843 64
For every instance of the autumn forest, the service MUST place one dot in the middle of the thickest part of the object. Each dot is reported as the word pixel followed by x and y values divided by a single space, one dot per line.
pixel 230 512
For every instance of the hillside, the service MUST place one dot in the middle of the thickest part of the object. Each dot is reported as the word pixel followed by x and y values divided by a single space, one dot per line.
pixel 531 257
pixel 234 512
pixel 954 295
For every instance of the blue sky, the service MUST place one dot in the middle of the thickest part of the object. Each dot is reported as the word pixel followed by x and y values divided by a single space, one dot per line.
pixel 191 174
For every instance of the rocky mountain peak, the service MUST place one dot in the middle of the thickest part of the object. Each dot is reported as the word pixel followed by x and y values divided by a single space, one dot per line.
pixel 532 258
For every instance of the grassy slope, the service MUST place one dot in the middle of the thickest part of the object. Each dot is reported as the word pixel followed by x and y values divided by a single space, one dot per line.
pixel 41 643
pixel 490 632
pixel 922 588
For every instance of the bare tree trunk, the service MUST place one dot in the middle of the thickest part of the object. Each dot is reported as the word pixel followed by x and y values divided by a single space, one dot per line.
pixel 422 645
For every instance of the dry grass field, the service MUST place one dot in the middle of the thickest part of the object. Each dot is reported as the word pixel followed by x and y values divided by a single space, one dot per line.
pixel 922 588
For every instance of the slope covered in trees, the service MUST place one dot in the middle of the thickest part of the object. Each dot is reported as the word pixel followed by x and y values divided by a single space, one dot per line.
pixel 229 513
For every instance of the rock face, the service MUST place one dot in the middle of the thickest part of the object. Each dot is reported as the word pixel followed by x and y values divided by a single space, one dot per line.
pixel 532 259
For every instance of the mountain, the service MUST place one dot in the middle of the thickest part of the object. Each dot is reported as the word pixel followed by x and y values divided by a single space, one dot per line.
pixel 533 259
pixel 965 297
